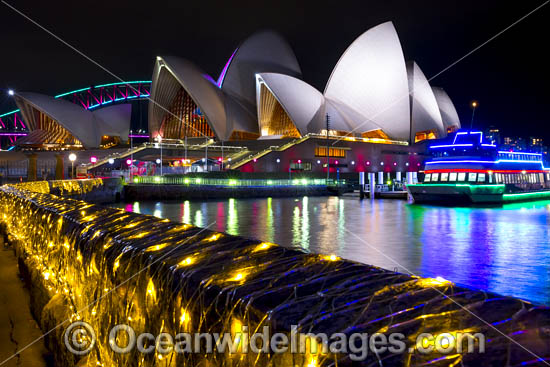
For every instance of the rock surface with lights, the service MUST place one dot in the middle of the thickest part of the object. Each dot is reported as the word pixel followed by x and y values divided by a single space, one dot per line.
pixel 106 267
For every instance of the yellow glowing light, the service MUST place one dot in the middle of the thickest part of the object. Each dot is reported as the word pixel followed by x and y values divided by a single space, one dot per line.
pixel 157 247
pixel 186 262
pixel 523 172
pixel 236 329
pixel 330 258
pixel 139 235
pixel 151 292
pixel 238 277
pixel 184 317
pixel 214 237
pixel 262 246
pixel 116 265
pixel 490 172
pixel 432 282
pixel 46 275
pixel 50 244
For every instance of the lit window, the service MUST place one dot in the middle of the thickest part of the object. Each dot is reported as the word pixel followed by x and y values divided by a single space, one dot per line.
pixel 472 177
pixel 435 177
pixel 452 176
pixel 444 177
pixel 461 176
pixel 427 177
pixel 481 177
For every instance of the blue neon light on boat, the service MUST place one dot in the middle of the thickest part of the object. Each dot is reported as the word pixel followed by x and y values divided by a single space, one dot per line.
pixel 469 133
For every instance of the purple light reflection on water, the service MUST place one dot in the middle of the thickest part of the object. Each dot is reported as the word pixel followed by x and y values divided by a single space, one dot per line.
pixel 503 250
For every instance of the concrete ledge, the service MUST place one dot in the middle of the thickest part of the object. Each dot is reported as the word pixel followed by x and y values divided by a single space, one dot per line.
pixel 107 267
pixel 168 192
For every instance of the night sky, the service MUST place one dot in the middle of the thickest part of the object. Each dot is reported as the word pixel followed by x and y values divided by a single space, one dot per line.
pixel 508 77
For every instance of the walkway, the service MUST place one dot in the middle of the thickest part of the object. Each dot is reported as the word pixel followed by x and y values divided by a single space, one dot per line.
pixel 17 326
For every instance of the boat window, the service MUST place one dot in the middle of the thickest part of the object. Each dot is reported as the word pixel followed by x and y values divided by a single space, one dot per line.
pixel 452 176
pixel 481 177
pixel 541 177
pixel 435 177
pixel 472 177
pixel 490 178
pixel 461 176
pixel 444 177
pixel 427 177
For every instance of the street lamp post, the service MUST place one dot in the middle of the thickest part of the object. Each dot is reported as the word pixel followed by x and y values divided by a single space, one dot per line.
pixel 159 140
pixel 185 154
pixel 131 152
pixel 206 155
pixel 72 158
pixel 474 106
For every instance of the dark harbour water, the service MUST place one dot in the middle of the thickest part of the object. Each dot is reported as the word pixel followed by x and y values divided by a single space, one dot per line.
pixel 504 250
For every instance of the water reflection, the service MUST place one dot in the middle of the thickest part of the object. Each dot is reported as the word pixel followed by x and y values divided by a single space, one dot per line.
pixel 505 250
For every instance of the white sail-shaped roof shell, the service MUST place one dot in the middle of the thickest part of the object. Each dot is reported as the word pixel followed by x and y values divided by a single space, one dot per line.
pixel 371 79
pixel 224 114
pixel 425 115
pixel 115 120
pixel 86 126
pixel 447 109
pixel 302 103
pixel 171 74
pixel 263 52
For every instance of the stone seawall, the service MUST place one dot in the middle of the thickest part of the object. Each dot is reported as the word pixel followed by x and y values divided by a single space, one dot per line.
pixel 107 267
pixel 168 192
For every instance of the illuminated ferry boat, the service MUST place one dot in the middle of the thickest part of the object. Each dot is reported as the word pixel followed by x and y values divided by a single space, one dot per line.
pixel 468 171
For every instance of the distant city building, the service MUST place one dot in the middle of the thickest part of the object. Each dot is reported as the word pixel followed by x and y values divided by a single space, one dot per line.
pixel 492 135
pixel 536 144
pixel 518 144
pixel 533 144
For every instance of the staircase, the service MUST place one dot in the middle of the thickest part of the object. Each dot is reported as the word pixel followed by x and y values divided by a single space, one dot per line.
pixel 266 151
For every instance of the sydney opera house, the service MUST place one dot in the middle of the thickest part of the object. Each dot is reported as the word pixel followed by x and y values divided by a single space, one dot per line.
pixel 374 103
pixel 260 94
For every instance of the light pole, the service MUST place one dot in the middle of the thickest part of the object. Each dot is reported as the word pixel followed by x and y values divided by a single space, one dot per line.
pixel 159 140
pixel 185 154
pixel 206 155
pixel 72 158
pixel 328 148
pixel 474 105
pixel 131 151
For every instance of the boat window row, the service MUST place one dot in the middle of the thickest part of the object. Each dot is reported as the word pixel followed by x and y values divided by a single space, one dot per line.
pixel 458 177
pixel 521 178
pixel 464 152
pixel 473 177
pixel 519 157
